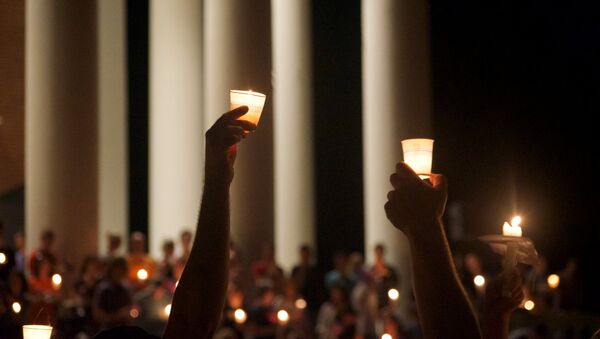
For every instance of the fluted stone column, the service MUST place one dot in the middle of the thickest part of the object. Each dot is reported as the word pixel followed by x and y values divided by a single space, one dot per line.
pixel 293 142
pixel 61 177
pixel 396 106
pixel 237 40
pixel 176 134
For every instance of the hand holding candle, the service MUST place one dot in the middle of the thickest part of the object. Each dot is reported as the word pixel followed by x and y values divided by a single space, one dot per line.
pixel 254 100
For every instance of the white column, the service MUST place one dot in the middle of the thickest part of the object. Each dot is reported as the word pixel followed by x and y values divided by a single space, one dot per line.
pixel 293 142
pixel 61 146
pixel 237 56
pixel 396 105
pixel 112 122
pixel 176 134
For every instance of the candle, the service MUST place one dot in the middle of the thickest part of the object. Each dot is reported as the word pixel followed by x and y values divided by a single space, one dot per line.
pixel 142 274
pixel 16 307
pixel 553 281
pixel 37 332
pixel 254 100
pixel 300 304
pixel 2 258
pixel 418 154
pixel 240 316
pixel 512 230
pixel 393 294
pixel 167 310
pixel 283 317
pixel 529 305
pixel 386 336
pixel 56 281
pixel 479 282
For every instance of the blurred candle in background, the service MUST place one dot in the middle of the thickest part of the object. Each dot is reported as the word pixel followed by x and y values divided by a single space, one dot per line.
pixel 37 332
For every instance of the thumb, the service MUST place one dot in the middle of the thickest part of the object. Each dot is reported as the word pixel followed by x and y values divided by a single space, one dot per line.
pixel 235 113
pixel 439 182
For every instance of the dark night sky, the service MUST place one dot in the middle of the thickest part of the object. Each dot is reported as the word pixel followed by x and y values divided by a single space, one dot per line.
pixel 515 87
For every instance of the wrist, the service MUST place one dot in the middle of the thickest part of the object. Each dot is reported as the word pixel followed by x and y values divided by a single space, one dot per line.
pixel 429 228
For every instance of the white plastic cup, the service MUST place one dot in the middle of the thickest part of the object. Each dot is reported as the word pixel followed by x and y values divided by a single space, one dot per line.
pixel 37 332
pixel 254 100
pixel 418 154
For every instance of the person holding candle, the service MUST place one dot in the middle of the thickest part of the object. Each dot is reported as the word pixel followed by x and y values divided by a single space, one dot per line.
pixel 498 307
pixel 199 298
pixel 416 208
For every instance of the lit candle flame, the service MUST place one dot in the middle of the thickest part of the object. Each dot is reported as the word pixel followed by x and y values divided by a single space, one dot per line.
pixel 386 336
pixel 479 280
pixel 529 305
pixel 553 280
pixel 283 317
pixel 56 280
pixel 2 258
pixel 240 316
pixel 393 294
pixel 516 221
pixel 509 230
pixel 16 307
pixel 142 274
pixel 300 303
pixel 134 313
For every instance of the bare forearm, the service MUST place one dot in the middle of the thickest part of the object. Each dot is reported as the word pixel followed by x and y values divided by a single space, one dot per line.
pixel 495 326
pixel 444 309
pixel 199 298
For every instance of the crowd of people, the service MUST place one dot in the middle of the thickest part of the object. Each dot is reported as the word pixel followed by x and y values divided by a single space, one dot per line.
pixel 201 288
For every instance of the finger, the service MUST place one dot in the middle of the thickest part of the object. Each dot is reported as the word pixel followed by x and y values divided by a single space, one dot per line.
pixel 232 140
pixel 235 130
pixel 439 182
pixel 235 113
pixel 405 171
pixel 395 180
pixel 247 125
pixel 390 195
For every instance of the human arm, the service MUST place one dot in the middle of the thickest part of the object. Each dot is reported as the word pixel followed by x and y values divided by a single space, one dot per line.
pixel 200 295
pixel 497 307
pixel 416 208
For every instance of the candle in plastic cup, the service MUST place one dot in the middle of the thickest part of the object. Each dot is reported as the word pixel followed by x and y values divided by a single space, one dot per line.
pixel 418 154
pixel 254 100
pixel 37 332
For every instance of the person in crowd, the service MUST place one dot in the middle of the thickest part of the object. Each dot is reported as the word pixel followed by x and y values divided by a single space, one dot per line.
pixel 234 301
pixel 416 208
pixel 308 280
pixel 205 276
pixel 499 305
pixel 44 250
pixel 365 302
pixel 472 267
pixel 339 275
pixel 186 245
pixel 114 245
pixel 356 267
pixel 265 271
pixel 138 260
pixel 19 248
pixel 336 319
pixel 299 324
pixel 7 257
pixel 383 275
pixel 112 303
pixel 166 267
pixel 262 320
pixel 43 294
pixel 88 279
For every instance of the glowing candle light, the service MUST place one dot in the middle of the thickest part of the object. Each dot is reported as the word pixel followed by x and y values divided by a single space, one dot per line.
pixel 393 294
pixel 167 310
pixel 386 336
pixel 418 154
pixel 529 305
pixel 283 317
pixel 16 307
pixel 300 303
pixel 512 230
pixel 142 274
pixel 2 258
pixel 134 313
pixel 37 332
pixel 254 100
pixel 56 281
pixel 553 281
pixel 479 281
pixel 240 316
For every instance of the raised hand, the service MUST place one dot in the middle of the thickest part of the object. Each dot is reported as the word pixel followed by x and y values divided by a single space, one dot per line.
pixel 414 202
